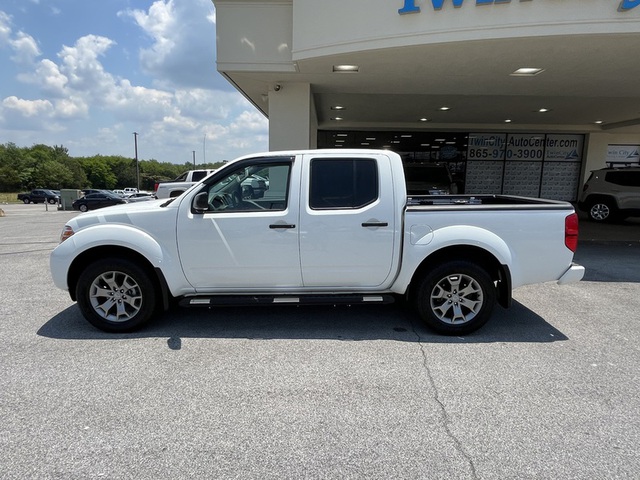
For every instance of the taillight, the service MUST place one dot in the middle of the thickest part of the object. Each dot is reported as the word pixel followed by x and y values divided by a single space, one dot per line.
pixel 571 232
pixel 155 187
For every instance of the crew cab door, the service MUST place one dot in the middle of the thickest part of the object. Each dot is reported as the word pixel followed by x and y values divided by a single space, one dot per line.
pixel 347 220
pixel 238 242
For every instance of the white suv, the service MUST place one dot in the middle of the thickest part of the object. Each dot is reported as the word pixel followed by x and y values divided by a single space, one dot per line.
pixel 611 194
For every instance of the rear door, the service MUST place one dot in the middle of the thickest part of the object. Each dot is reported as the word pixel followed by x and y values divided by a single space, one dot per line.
pixel 347 220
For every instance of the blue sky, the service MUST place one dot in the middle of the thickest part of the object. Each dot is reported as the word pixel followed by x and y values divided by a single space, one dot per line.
pixel 86 74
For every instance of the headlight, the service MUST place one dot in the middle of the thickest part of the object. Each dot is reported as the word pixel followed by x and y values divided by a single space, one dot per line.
pixel 67 231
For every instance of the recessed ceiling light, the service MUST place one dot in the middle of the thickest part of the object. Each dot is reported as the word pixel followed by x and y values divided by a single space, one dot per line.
pixel 346 68
pixel 337 107
pixel 507 121
pixel 527 72
pixel 341 135
pixel 543 110
pixel 599 122
pixel 444 109
pixel 423 119
pixel 337 118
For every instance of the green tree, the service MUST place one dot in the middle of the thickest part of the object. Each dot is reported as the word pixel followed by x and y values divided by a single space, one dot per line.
pixel 98 173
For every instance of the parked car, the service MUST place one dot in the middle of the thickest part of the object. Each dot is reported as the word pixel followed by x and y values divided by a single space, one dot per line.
pixel 93 201
pixel 120 193
pixel 40 195
pixel 611 194
pixel 87 191
pixel 139 197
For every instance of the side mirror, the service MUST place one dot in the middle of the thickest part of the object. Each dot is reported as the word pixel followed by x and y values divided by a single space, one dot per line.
pixel 201 202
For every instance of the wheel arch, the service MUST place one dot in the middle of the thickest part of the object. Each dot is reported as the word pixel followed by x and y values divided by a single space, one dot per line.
pixel 86 257
pixel 600 197
pixel 498 271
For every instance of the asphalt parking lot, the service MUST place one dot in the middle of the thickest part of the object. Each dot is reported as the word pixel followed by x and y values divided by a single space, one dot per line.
pixel 548 389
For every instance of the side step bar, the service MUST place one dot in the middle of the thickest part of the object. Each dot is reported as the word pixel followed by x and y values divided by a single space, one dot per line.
pixel 244 300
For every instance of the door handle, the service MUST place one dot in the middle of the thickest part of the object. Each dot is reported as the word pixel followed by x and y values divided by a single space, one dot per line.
pixel 281 225
pixel 375 224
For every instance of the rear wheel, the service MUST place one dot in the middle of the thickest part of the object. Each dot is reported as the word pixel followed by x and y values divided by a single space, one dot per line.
pixel 456 298
pixel 602 211
pixel 83 208
pixel 116 295
pixel 26 200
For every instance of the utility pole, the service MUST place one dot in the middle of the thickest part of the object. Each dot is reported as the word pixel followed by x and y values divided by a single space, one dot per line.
pixel 135 142
pixel 204 149
pixel 194 159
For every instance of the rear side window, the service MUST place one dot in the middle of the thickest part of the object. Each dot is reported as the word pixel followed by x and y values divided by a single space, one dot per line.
pixel 198 175
pixel 343 183
pixel 627 179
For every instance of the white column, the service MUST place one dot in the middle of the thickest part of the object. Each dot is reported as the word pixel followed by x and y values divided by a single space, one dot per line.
pixel 292 117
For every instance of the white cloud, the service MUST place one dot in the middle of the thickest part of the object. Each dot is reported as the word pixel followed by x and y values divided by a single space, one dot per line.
pixel 5 28
pixel 182 52
pixel 25 48
pixel 28 108
pixel 189 104
pixel 81 66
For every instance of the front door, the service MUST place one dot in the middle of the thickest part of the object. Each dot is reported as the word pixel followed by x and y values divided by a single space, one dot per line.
pixel 244 240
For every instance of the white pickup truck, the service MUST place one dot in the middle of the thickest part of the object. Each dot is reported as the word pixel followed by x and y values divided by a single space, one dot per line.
pixel 333 227
pixel 177 186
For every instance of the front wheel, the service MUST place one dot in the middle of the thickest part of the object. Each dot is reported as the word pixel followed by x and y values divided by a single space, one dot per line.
pixel 26 201
pixel 115 295
pixel 456 298
pixel 83 208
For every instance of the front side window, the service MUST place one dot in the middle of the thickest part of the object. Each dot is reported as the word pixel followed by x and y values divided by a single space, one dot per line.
pixel 343 183
pixel 251 188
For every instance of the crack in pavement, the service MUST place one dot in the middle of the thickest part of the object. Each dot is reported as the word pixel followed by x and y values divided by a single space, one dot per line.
pixel 446 420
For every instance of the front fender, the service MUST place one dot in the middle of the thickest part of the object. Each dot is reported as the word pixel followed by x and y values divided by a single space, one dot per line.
pixel 97 240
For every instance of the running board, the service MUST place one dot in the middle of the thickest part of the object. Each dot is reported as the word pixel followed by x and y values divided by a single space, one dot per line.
pixel 240 300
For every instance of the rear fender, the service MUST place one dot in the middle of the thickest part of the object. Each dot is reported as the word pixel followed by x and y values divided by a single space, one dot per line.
pixel 450 243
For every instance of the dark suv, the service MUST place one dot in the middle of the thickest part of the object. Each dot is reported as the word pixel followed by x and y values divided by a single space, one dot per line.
pixel 611 194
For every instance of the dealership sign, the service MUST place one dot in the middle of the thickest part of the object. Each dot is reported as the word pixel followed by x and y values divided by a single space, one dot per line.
pixel 411 7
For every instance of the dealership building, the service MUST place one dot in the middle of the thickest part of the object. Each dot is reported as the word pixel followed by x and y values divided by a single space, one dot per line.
pixel 519 97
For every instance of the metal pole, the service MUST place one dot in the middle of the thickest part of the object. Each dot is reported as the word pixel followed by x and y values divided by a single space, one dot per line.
pixel 204 149
pixel 194 159
pixel 135 141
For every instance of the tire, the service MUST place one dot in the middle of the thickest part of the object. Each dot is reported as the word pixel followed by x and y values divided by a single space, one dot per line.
pixel 116 295
pixel 456 298
pixel 83 208
pixel 52 201
pixel 26 201
pixel 602 211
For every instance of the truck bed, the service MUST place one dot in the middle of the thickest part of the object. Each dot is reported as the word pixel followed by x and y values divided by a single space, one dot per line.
pixel 520 203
